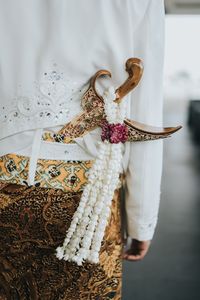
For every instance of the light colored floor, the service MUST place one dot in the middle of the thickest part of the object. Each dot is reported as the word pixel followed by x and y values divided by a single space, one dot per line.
pixel 171 270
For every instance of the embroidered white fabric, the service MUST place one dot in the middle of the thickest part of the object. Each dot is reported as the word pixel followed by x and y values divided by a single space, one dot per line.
pixel 55 99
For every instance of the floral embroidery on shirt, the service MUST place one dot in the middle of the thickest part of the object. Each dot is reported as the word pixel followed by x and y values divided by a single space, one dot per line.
pixel 55 96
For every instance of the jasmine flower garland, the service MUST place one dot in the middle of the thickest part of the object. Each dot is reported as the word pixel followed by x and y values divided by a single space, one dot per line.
pixel 85 234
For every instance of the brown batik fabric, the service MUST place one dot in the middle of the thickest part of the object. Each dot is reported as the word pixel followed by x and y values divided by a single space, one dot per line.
pixel 33 222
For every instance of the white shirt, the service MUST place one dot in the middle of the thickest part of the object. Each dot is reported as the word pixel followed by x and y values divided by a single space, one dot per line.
pixel 49 51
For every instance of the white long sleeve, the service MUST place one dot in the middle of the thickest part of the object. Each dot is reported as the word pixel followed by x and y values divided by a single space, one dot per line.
pixel 143 178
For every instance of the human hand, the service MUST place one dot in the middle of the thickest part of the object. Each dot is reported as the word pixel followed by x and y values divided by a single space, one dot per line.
pixel 137 250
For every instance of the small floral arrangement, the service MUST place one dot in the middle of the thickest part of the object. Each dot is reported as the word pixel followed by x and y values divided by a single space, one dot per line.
pixel 114 133
pixel 86 231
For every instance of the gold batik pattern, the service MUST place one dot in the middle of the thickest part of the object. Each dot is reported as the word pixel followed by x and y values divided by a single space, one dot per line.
pixel 57 174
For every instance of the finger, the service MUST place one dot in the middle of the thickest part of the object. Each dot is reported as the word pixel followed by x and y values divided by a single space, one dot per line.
pixel 127 255
pixel 134 257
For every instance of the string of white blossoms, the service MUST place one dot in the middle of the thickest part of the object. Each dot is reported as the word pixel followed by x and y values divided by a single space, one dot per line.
pixel 85 234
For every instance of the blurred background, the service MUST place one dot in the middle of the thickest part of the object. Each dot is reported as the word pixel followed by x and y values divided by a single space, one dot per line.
pixel 171 270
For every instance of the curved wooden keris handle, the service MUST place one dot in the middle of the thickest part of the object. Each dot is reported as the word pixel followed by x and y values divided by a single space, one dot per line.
pixel 135 68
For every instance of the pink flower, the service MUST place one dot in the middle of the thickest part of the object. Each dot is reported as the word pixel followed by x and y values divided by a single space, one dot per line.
pixel 114 133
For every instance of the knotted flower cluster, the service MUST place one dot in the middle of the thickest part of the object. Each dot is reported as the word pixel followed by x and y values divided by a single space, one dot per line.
pixel 114 133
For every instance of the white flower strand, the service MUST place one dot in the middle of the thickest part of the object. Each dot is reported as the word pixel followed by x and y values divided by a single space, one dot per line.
pixel 91 220
pixel 110 184
pixel 85 234
pixel 88 238
pixel 81 216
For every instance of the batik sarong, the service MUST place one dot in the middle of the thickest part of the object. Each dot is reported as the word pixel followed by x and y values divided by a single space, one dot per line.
pixel 33 223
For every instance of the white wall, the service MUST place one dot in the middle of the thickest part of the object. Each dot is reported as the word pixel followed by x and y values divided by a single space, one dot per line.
pixel 182 56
